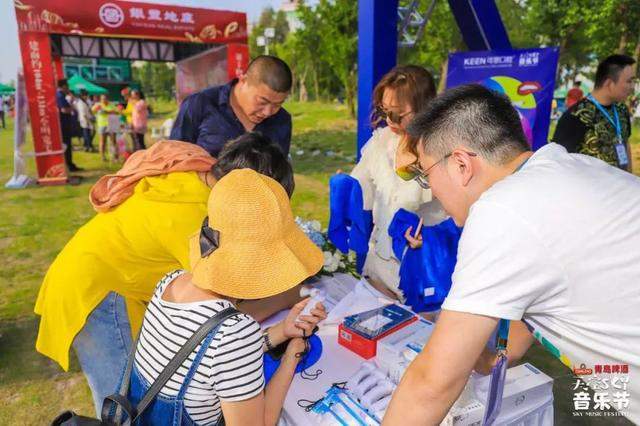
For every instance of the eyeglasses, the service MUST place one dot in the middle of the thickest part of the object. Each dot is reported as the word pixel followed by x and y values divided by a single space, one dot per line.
pixel 414 172
pixel 392 116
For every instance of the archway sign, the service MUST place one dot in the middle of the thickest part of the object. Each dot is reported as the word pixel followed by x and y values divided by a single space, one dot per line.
pixel 50 29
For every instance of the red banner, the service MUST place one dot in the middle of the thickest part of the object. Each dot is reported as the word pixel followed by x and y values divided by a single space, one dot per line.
pixel 131 19
pixel 211 68
pixel 198 72
pixel 41 92
pixel 58 71
pixel 237 59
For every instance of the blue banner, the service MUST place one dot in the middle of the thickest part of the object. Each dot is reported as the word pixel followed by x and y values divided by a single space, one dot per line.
pixel 526 76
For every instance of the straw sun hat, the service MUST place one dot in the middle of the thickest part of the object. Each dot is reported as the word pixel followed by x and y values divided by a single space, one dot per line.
pixel 249 247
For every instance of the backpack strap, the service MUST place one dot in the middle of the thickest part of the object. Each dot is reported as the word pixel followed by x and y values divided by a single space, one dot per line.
pixel 169 370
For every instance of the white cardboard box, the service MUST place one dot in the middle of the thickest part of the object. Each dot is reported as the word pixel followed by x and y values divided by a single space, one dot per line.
pixel 526 389
pixel 396 351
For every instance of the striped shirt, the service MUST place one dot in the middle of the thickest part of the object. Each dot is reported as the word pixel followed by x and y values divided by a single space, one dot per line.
pixel 231 369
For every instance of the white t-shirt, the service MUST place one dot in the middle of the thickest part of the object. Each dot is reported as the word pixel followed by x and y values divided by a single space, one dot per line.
pixel 558 245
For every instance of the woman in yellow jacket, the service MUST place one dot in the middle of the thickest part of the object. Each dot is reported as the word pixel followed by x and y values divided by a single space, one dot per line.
pixel 95 292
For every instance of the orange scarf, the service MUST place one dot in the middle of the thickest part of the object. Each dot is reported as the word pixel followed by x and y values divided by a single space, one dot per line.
pixel 163 157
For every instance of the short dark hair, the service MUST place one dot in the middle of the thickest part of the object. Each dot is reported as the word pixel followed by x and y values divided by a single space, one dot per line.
pixel 83 92
pixel 611 68
pixel 62 82
pixel 577 83
pixel 481 119
pixel 272 71
pixel 255 151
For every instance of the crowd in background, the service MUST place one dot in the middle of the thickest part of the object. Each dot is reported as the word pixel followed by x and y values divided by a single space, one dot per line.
pixel 120 126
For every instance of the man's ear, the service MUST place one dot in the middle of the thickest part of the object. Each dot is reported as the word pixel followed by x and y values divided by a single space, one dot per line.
pixel 609 85
pixel 463 166
pixel 243 79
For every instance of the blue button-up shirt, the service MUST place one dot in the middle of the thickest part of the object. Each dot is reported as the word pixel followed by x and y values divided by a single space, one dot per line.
pixel 206 118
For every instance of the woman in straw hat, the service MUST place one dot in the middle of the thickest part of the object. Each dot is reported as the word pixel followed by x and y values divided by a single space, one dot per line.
pixel 248 247
pixel 95 293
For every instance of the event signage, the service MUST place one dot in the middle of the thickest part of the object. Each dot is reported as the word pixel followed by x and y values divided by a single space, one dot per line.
pixel 145 20
pixel 38 19
pixel 526 76
pixel 41 93
pixel 212 67
pixel 237 59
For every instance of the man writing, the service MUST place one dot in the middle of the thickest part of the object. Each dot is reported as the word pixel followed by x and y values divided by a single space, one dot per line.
pixel 550 238
pixel 600 124
pixel 251 103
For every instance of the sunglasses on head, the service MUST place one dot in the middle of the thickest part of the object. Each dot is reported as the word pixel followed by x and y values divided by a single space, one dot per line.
pixel 392 116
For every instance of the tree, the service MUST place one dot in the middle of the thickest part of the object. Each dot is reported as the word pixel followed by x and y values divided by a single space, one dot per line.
pixel 338 31
pixel 281 26
pixel 440 37
pixel 323 53
pixel 268 19
pixel 303 51
pixel 562 23
pixel 614 27
pixel 157 79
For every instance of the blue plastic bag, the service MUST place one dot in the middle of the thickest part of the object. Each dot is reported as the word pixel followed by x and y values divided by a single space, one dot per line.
pixel 425 273
pixel 350 225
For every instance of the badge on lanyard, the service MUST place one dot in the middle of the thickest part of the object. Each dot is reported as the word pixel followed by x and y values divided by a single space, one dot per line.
pixel 621 149
pixel 621 153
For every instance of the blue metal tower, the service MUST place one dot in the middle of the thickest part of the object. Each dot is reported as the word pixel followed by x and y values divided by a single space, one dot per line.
pixel 478 20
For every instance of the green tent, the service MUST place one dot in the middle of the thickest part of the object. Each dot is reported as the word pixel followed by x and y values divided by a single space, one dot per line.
pixel 6 90
pixel 77 83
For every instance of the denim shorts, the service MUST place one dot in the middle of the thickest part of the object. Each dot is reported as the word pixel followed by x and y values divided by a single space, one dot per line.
pixel 103 347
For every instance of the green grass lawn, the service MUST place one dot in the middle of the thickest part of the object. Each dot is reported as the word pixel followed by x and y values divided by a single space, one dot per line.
pixel 36 222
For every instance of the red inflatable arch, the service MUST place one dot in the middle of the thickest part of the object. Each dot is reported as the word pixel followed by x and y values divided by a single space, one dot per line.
pixel 50 29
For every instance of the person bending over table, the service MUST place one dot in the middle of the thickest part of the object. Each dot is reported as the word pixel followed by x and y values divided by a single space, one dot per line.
pixel 401 94
pixel 229 261
pixel 251 103
pixel 96 290
pixel 550 238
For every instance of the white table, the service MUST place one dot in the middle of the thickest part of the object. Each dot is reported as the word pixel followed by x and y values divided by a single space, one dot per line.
pixel 337 364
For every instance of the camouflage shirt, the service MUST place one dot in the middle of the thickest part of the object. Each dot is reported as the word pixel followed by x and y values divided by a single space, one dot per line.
pixel 585 130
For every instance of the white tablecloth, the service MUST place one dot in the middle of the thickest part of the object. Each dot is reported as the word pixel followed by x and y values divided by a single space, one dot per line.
pixel 337 364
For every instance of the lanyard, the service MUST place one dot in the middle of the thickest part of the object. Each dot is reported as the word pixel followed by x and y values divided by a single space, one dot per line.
pixel 503 335
pixel 616 123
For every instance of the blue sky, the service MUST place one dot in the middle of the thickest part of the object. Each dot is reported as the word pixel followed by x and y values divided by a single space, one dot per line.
pixel 10 50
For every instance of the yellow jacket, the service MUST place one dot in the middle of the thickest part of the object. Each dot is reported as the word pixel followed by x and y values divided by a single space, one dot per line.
pixel 126 250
